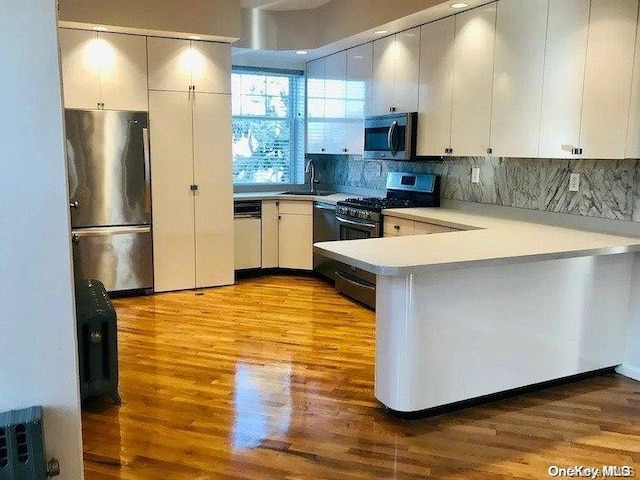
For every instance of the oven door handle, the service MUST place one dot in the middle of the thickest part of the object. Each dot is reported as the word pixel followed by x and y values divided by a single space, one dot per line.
pixel 358 224
pixel 354 282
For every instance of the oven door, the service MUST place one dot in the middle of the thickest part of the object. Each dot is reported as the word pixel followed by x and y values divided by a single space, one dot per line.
pixel 351 281
pixel 351 229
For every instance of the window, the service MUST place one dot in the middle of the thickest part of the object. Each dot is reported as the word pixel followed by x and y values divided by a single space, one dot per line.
pixel 268 126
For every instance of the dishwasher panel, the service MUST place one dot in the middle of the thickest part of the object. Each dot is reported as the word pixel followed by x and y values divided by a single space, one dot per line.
pixel 247 225
pixel 325 229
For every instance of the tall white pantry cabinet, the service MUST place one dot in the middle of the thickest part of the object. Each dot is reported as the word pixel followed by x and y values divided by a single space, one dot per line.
pixel 191 168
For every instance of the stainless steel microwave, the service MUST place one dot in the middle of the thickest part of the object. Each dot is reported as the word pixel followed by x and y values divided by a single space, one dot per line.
pixel 390 137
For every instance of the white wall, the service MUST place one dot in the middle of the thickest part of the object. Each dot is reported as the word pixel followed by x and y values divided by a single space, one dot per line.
pixel 38 360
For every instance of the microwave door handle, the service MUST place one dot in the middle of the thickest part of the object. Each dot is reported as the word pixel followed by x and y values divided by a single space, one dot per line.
pixel 390 138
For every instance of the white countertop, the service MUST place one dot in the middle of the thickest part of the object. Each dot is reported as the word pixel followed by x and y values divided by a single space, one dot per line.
pixel 333 198
pixel 487 241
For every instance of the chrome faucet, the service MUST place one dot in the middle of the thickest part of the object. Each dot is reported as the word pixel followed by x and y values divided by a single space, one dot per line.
pixel 311 169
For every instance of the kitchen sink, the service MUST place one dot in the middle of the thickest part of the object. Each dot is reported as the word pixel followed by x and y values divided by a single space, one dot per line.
pixel 319 193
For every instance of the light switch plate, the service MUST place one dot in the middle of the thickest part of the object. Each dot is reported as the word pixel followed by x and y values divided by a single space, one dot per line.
pixel 475 175
pixel 574 182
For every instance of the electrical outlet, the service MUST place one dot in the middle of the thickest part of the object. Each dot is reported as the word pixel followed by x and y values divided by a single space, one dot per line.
pixel 475 175
pixel 574 182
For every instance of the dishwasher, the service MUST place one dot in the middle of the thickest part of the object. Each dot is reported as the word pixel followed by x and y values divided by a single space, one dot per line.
pixel 325 229
pixel 247 227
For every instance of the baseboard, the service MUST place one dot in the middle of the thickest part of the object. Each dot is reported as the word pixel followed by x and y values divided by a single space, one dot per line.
pixel 630 371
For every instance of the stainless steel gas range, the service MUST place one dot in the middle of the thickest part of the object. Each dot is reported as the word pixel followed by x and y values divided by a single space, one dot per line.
pixel 361 218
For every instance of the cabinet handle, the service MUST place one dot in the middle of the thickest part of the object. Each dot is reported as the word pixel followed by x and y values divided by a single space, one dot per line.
pixel 579 151
pixel 489 151
pixel 279 217
pixel 397 227
pixel 392 109
pixel 194 188
pixel 344 150
pixel 322 149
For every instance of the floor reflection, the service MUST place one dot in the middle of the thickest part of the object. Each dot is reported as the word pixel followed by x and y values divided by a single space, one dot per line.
pixel 262 404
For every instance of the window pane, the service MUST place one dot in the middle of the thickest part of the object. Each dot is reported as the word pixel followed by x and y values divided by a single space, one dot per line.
pixel 253 105
pixel 277 86
pixel 277 106
pixel 253 84
pixel 261 151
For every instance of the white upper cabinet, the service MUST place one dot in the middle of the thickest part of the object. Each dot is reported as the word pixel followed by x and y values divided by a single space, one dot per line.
pixel 335 102
pixel 103 70
pixel 436 87
pixel 566 51
pixel 587 79
pixel 179 65
pixel 396 73
pixel 473 63
pixel 315 106
pixel 338 92
pixel 607 78
pixel 359 66
pixel 517 84
pixel 633 129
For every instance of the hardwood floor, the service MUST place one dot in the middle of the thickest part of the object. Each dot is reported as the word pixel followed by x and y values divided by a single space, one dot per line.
pixel 273 378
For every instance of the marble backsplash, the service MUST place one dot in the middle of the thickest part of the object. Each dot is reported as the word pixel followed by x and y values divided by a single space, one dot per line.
pixel 608 188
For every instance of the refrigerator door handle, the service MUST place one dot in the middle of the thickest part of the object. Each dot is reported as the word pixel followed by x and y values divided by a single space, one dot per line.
pixel 147 170
pixel 105 231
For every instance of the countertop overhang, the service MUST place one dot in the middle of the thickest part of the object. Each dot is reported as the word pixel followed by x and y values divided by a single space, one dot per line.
pixel 485 241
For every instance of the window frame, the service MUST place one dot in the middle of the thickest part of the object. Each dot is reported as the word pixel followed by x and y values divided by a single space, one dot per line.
pixel 296 111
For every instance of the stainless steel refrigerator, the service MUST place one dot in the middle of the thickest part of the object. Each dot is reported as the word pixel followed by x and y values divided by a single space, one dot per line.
pixel 110 193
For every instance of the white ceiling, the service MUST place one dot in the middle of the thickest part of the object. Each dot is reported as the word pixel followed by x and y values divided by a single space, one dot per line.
pixel 283 5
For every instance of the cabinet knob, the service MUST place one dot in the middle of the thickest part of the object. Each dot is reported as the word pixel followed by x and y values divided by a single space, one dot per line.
pixel 489 151
pixel 194 188
pixel 344 150
pixel 397 227
pixel 322 149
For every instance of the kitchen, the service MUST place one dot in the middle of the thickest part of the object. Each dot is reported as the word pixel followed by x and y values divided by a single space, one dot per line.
pixel 348 171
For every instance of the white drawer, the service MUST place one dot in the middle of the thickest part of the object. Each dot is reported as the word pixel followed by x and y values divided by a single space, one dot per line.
pixel 420 228
pixel 296 207
pixel 398 226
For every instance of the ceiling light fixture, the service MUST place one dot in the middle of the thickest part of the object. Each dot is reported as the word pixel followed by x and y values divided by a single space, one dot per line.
pixel 459 5
pixel 381 32
pixel 100 29
pixel 358 57
pixel 195 37
pixel 301 52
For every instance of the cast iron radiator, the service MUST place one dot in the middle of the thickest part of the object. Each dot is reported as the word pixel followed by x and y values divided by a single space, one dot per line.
pixel 97 341
pixel 22 455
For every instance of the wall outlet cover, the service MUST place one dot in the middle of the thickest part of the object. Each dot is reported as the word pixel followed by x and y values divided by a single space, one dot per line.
pixel 475 175
pixel 574 182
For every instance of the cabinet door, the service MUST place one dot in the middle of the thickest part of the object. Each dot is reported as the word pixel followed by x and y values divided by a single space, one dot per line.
pixel 335 102
pixel 211 67
pixel 473 81
pixel 269 234
pixel 607 78
pixel 633 128
pixel 436 87
pixel 81 58
pixel 123 81
pixel 359 65
pixel 517 84
pixel 172 199
pixel 315 106
pixel 383 75
pixel 407 68
pixel 566 49
pixel 170 63
pixel 296 241
pixel 397 226
pixel 214 197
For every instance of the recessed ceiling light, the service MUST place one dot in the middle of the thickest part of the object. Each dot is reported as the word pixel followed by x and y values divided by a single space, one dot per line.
pixel 358 57
pixel 459 5
pixel 195 37
pixel 301 52
pixel 100 29
pixel 380 32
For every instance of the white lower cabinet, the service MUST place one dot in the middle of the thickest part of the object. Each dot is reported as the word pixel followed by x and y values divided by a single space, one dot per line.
pixel 295 235
pixel 270 227
pixel 192 190
pixel 247 243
